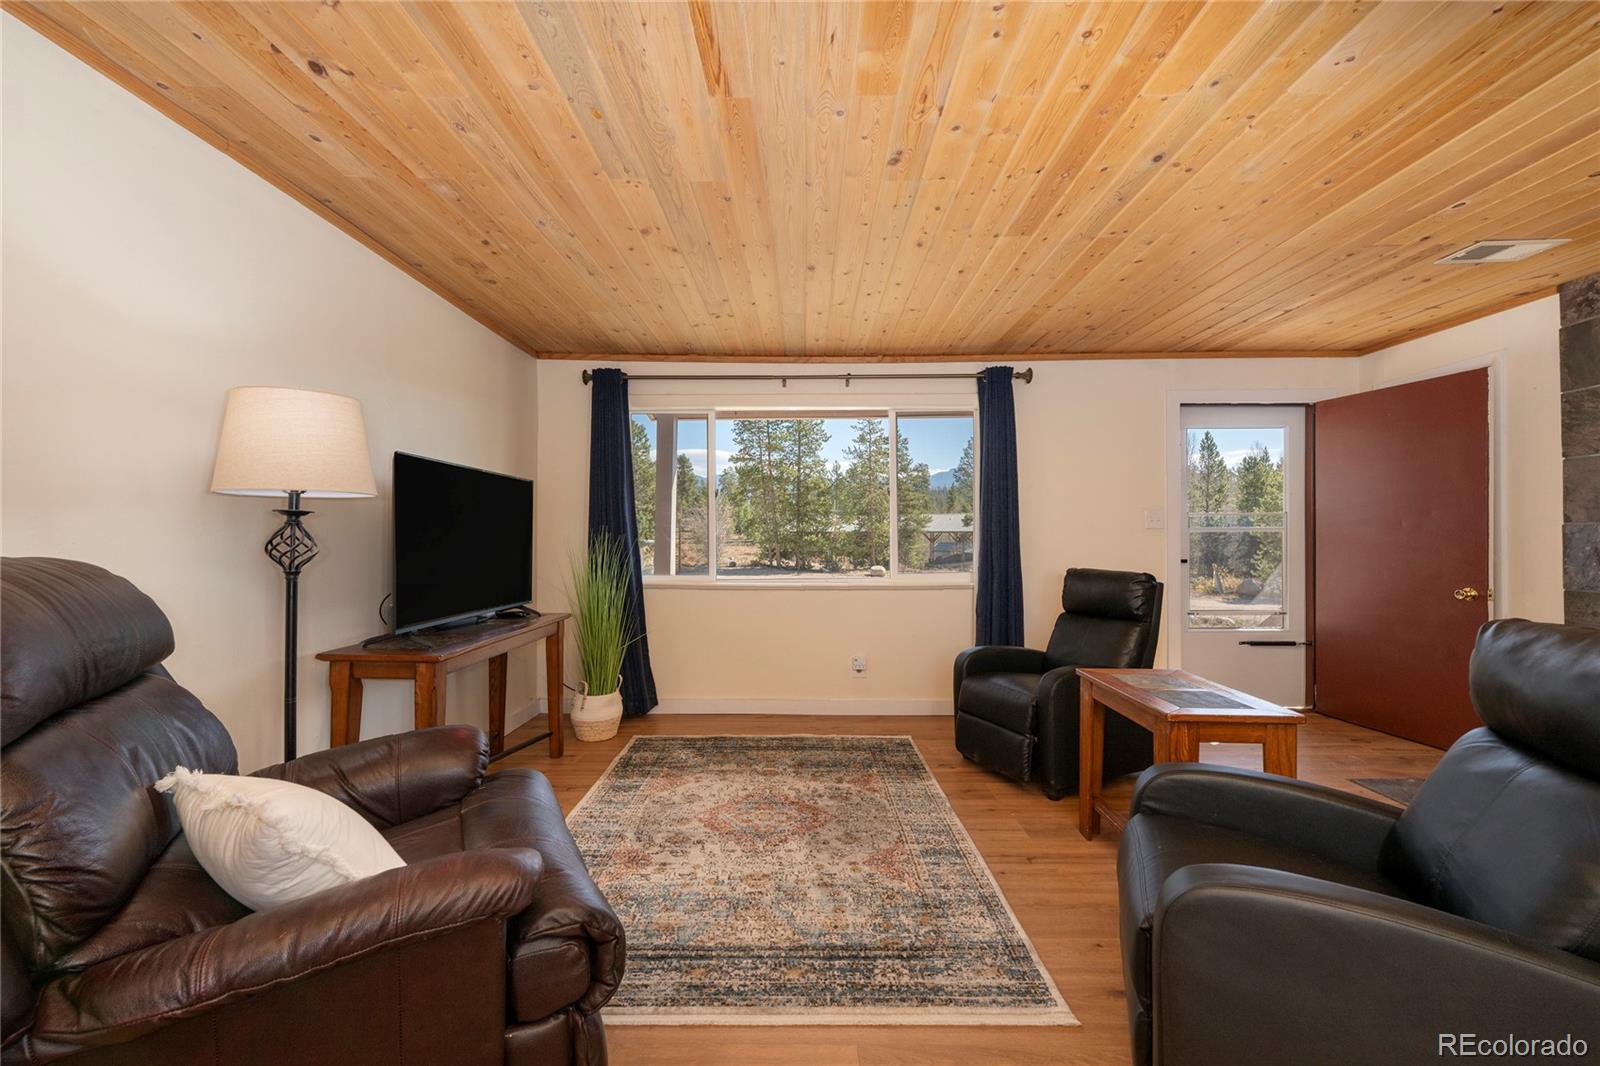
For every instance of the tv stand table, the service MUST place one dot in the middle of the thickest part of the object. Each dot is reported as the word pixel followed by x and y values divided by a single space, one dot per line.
pixel 427 658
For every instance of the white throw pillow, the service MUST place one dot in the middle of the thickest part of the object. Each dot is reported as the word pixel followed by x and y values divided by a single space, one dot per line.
pixel 269 842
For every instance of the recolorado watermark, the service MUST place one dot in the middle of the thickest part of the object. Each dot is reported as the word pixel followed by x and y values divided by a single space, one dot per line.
pixel 1511 1046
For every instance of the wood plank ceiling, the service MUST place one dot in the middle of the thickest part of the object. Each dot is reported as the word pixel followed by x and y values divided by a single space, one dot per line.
pixel 817 180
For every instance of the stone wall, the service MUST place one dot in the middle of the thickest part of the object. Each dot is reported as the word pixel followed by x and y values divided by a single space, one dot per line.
pixel 1580 448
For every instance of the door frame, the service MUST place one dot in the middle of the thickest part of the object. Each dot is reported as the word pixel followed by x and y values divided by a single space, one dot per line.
pixel 1223 645
pixel 1499 487
pixel 1494 361
pixel 1176 400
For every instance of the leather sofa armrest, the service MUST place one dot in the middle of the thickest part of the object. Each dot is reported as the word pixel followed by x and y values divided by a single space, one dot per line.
pixel 397 778
pixel 134 994
pixel 1059 690
pixel 1328 823
pixel 568 903
pixel 995 658
pixel 1258 967
pixel 1056 759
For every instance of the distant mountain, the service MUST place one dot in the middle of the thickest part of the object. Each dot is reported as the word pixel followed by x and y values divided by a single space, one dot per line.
pixel 942 479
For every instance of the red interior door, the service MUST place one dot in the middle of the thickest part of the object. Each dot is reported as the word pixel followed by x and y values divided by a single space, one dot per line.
pixel 1401 576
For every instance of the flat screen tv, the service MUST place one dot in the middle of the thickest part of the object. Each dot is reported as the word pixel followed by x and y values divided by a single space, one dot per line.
pixel 463 542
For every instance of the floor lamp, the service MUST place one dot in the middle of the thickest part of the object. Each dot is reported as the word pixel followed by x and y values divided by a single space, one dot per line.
pixel 301 445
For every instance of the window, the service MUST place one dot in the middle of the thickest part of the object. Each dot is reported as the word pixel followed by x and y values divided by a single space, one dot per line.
pixel 936 503
pixel 805 494
pixel 669 463
pixel 1234 479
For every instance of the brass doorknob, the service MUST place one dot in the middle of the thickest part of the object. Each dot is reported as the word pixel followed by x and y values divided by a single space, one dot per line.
pixel 1467 593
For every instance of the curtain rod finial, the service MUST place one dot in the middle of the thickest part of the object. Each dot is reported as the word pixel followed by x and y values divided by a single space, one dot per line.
pixel 588 377
pixel 1026 376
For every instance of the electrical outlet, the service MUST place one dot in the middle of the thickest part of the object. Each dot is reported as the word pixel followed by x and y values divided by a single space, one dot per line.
pixel 1154 519
pixel 858 665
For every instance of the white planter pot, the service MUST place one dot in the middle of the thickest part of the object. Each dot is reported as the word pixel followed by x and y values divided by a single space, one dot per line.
pixel 597 717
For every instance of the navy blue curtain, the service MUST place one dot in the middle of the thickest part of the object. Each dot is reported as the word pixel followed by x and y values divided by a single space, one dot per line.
pixel 611 511
pixel 999 537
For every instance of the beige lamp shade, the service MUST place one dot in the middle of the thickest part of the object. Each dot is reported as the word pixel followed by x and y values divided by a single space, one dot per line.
pixel 275 441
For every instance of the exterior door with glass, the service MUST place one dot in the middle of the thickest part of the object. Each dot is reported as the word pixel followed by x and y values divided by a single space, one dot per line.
pixel 1240 549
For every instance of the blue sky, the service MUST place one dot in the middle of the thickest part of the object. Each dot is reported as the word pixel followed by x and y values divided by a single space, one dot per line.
pixel 935 440
pixel 1235 444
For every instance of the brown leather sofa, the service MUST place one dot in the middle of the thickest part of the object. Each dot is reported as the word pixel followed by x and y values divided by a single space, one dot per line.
pixel 1268 921
pixel 492 945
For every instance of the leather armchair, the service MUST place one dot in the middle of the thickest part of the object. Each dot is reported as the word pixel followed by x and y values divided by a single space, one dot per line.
pixel 492 945
pixel 1266 920
pixel 1016 709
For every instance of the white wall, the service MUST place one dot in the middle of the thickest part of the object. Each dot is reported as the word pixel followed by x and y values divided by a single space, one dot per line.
pixel 1523 345
pixel 1091 445
pixel 144 274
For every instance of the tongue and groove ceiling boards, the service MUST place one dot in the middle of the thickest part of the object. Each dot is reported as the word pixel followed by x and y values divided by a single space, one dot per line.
pixel 828 180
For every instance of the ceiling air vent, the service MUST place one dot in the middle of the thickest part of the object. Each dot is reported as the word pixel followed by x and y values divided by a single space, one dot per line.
pixel 1499 251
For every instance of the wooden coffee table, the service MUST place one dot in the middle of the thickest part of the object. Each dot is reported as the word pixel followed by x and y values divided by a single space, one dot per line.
pixel 1180 710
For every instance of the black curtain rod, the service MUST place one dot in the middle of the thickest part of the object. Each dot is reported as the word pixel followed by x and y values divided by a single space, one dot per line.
pixel 1024 376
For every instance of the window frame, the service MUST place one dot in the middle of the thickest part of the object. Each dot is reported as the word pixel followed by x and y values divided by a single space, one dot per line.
pixel 892 411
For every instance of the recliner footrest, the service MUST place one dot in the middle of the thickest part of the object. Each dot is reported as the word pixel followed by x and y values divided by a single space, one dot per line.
pixel 995 747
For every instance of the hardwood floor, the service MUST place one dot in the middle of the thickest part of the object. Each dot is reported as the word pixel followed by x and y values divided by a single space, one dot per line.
pixel 1062 887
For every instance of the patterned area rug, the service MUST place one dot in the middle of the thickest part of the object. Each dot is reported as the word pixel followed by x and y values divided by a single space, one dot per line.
pixel 813 880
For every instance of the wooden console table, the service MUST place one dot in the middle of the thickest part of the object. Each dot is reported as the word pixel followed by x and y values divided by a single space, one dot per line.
pixel 426 659
pixel 1180 710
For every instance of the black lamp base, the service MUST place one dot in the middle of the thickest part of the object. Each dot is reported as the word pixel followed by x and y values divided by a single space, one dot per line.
pixel 291 546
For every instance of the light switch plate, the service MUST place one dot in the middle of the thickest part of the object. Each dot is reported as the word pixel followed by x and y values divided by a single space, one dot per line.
pixel 1154 519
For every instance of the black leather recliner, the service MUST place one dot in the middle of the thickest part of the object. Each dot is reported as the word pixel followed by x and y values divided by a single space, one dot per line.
pixel 1268 921
pixel 1017 708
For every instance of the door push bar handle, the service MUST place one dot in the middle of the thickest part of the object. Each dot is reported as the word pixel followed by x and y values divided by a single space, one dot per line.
pixel 1275 644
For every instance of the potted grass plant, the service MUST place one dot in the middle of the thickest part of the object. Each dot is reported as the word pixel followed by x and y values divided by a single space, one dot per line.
pixel 605 627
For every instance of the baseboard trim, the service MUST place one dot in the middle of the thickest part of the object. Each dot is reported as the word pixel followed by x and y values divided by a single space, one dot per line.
pixel 858 707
